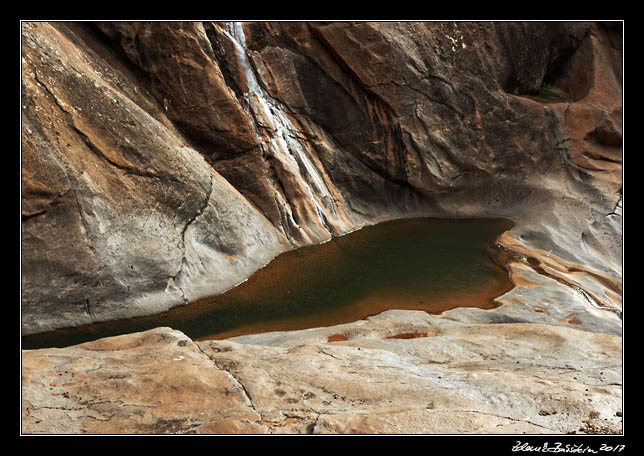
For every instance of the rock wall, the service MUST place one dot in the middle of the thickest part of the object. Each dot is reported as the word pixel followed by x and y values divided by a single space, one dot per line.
pixel 164 162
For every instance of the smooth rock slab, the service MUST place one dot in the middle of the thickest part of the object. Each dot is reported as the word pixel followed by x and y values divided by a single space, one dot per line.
pixel 459 378
pixel 154 382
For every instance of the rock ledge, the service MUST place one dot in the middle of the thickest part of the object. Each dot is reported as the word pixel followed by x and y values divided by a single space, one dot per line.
pixel 449 378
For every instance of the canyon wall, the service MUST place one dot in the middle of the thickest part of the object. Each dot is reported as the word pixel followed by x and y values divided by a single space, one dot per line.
pixel 163 162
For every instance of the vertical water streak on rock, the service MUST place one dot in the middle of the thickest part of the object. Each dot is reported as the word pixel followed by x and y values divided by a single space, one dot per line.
pixel 282 143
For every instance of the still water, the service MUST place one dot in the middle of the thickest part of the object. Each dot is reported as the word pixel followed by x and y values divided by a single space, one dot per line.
pixel 423 264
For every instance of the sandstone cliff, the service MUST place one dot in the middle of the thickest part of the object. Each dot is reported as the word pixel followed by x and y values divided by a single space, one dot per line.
pixel 165 162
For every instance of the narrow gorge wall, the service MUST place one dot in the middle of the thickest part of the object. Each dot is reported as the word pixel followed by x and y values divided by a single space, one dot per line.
pixel 166 161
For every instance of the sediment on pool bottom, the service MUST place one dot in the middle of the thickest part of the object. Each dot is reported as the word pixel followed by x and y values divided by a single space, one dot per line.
pixel 411 264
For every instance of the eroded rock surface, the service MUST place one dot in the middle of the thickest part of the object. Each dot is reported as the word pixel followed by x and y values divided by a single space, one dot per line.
pixel 160 155
pixel 165 162
pixel 399 372
pixel 121 216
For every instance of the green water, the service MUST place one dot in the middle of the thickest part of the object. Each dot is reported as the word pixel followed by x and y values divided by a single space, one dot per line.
pixel 426 264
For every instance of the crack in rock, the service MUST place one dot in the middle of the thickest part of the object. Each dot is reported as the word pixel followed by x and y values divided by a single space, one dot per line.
pixel 503 417
pixel 232 376
pixel 182 243
pixel 94 148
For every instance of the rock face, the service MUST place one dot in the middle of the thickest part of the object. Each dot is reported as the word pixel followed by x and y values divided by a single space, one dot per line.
pixel 162 155
pixel 165 162
pixel 120 215
pixel 402 372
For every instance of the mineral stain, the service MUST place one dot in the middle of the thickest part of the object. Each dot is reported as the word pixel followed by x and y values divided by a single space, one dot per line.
pixel 414 264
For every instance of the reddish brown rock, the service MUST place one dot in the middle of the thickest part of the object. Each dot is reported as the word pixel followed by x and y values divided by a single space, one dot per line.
pixel 155 154
pixel 113 197
pixel 313 130
pixel 185 79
